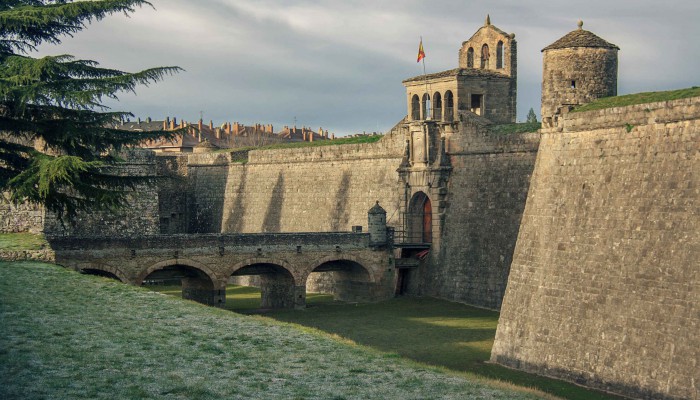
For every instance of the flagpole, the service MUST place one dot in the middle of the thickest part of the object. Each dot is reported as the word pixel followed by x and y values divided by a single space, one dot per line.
pixel 425 77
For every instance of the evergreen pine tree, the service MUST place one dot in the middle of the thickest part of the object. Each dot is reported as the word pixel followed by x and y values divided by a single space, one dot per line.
pixel 531 116
pixel 57 139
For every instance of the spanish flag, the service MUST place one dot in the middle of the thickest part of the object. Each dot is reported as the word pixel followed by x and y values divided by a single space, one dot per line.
pixel 421 53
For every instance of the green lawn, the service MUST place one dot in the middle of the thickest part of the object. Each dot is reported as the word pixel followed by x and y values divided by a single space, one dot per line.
pixel 64 335
pixel 639 98
pixel 520 127
pixel 432 331
pixel 22 241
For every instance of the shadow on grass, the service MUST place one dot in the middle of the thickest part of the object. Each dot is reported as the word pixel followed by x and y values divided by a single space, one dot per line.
pixel 437 332
pixel 432 331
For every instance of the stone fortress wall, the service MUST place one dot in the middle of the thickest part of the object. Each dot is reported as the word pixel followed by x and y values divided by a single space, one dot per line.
pixel 603 289
pixel 487 192
pixel 24 217
pixel 319 189
pixel 589 227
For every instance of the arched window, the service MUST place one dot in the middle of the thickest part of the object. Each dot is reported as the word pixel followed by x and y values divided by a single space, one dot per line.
pixel 449 106
pixel 470 58
pixel 415 108
pixel 485 56
pixel 499 55
pixel 425 106
pixel 437 106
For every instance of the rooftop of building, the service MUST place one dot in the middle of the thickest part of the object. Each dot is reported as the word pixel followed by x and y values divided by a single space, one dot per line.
pixel 469 72
pixel 581 38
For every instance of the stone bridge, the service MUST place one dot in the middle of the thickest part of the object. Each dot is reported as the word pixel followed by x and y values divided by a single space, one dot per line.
pixel 347 265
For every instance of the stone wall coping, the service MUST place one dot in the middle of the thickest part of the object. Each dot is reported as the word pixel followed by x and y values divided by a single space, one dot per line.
pixel 633 115
pixel 181 241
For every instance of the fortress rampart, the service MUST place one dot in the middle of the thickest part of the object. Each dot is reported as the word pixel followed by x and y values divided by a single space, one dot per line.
pixel 603 289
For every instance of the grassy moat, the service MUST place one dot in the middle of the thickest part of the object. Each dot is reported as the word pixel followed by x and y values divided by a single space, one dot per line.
pixel 431 331
pixel 67 335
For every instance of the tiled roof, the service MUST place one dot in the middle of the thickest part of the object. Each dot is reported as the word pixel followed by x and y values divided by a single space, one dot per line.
pixel 474 72
pixel 580 38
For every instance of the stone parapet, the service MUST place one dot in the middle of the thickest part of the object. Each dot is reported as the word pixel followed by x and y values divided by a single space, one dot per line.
pixel 634 115
pixel 346 152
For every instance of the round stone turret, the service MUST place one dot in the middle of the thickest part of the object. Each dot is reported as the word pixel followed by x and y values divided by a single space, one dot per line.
pixel 376 225
pixel 577 69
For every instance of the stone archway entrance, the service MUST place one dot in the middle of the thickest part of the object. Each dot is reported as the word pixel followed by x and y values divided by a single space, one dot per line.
pixel 420 219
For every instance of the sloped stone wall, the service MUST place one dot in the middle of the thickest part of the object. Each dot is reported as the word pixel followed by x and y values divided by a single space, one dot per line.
pixel 603 289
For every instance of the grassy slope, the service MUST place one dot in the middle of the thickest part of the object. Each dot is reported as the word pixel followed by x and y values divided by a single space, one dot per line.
pixel 66 335
pixel 22 241
pixel 317 143
pixel 520 127
pixel 639 98
pixel 432 331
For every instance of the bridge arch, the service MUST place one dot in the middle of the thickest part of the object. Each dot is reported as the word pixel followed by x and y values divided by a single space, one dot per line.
pixel 276 279
pixel 344 276
pixel 102 269
pixel 199 282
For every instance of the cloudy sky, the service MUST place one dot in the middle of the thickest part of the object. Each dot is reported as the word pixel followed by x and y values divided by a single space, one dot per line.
pixel 339 64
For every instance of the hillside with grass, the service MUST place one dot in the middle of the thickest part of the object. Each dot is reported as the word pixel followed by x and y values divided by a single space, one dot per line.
pixel 639 98
pixel 66 335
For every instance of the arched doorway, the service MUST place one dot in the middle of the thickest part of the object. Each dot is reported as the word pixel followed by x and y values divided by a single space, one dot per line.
pixel 346 280
pixel 191 283
pixel 420 219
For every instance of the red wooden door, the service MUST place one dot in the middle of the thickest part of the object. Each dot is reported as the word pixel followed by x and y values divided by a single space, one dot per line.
pixel 427 221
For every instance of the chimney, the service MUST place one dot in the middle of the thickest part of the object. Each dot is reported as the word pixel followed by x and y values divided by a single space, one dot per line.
pixel 228 128
pixel 211 124
pixel 199 124
pixel 332 136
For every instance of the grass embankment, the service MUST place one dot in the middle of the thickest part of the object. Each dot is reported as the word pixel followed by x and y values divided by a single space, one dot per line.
pixel 639 98
pixel 431 331
pixel 22 241
pixel 241 153
pixel 520 127
pixel 66 335
pixel 436 332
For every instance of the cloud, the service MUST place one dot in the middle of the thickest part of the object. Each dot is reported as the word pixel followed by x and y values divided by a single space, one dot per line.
pixel 339 65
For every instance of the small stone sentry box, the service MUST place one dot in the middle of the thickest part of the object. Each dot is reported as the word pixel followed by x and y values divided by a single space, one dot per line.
pixel 376 225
